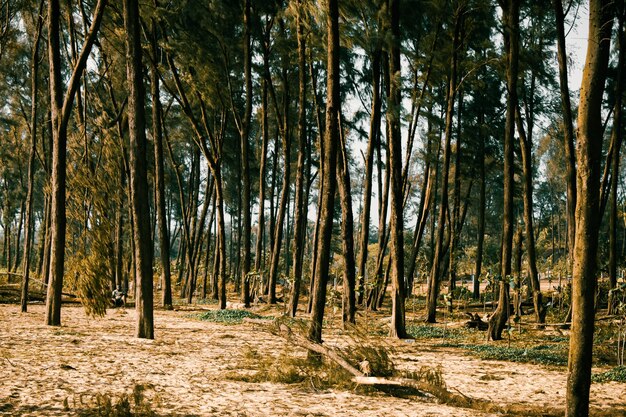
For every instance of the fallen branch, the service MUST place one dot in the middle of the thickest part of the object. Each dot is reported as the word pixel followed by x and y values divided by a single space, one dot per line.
pixel 359 376
pixel 286 332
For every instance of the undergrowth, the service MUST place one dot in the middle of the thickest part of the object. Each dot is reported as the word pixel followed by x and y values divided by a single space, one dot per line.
pixel 433 332
pixel 106 405
pixel 538 354
pixel 226 316
pixel 617 374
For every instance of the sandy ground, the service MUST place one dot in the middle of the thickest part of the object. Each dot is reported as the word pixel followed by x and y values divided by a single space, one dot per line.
pixel 48 371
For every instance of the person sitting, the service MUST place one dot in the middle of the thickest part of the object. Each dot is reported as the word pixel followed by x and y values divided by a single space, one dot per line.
pixel 118 297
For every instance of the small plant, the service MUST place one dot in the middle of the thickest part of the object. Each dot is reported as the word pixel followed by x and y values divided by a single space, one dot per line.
pixel 432 332
pixel 226 316
pixel 539 354
pixel 617 374
pixel 106 405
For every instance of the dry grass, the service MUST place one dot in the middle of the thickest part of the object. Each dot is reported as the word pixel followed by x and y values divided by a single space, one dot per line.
pixel 108 405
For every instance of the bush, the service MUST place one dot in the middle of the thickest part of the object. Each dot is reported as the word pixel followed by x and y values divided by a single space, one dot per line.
pixel 106 405
pixel 617 374
pixel 432 332
pixel 226 316
pixel 540 354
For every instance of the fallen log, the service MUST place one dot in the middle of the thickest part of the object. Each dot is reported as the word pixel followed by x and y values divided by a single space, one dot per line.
pixel 285 331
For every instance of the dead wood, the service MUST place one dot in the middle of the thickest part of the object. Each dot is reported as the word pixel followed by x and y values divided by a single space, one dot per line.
pixel 285 331
pixel 476 322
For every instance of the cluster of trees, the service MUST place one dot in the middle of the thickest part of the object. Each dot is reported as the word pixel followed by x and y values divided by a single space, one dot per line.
pixel 176 129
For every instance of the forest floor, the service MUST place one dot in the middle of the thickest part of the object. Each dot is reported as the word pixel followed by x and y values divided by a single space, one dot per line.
pixel 91 366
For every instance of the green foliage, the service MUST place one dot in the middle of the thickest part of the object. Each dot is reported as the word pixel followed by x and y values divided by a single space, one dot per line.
pixel 539 354
pixel 432 332
pixel 617 374
pixel 226 316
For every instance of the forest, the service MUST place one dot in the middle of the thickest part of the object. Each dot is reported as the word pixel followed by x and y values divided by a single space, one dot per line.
pixel 376 172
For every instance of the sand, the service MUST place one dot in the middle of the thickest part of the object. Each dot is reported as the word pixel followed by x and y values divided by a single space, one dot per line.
pixel 57 371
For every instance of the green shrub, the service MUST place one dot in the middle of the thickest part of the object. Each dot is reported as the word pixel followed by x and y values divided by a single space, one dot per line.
pixel 432 332
pixel 226 316
pixel 617 374
pixel 540 354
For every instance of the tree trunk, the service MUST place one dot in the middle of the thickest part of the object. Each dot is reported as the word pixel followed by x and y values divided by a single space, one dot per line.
pixel 60 114
pixel 482 202
pixel 526 150
pixel 138 172
pixel 568 129
pixel 327 195
pixel 283 123
pixel 28 228
pixel 433 283
pixel 617 142
pixel 300 215
pixel 159 170
pixel 374 136
pixel 258 257
pixel 588 154
pixel 396 226
pixel 347 231
pixel 426 197
pixel 510 17
pixel 456 203
pixel 245 165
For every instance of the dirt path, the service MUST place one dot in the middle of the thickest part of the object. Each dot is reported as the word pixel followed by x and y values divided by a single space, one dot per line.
pixel 46 371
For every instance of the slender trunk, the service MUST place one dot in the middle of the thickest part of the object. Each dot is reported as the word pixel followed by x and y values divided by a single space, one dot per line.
pixel 588 154
pixel 482 202
pixel 138 173
pixel 34 73
pixel 374 136
pixel 159 170
pixel 396 226
pixel 245 171
pixel 60 114
pixel 327 196
pixel 617 141
pixel 568 129
pixel 510 17
pixel 426 197
pixel 300 215
pixel 262 172
pixel 456 203
pixel 526 150
pixel 347 231
pixel 433 284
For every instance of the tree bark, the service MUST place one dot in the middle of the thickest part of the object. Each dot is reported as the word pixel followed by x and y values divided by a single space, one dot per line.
pixel 28 228
pixel 347 231
pixel 138 172
pixel 244 129
pixel 568 128
pixel 327 196
pixel 433 283
pixel 482 202
pixel 374 136
pixel 60 113
pixel 396 226
pixel 510 18
pixel 159 170
pixel 616 138
pixel 588 154
pixel 300 215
